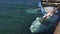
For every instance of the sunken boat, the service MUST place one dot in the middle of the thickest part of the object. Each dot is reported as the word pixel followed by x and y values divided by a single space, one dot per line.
pixel 38 26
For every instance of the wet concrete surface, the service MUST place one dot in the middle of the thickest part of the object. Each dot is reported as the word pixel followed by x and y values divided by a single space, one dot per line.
pixel 57 30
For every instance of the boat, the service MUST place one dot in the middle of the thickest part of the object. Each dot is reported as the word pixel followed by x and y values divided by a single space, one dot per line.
pixel 40 26
pixel 37 26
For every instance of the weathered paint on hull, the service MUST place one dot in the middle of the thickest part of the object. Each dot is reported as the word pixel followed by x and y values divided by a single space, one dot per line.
pixel 39 27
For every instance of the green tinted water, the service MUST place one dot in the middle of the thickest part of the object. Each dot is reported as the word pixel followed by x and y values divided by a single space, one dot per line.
pixel 15 20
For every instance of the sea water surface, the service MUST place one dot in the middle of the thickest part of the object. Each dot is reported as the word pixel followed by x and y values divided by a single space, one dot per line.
pixel 16 17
